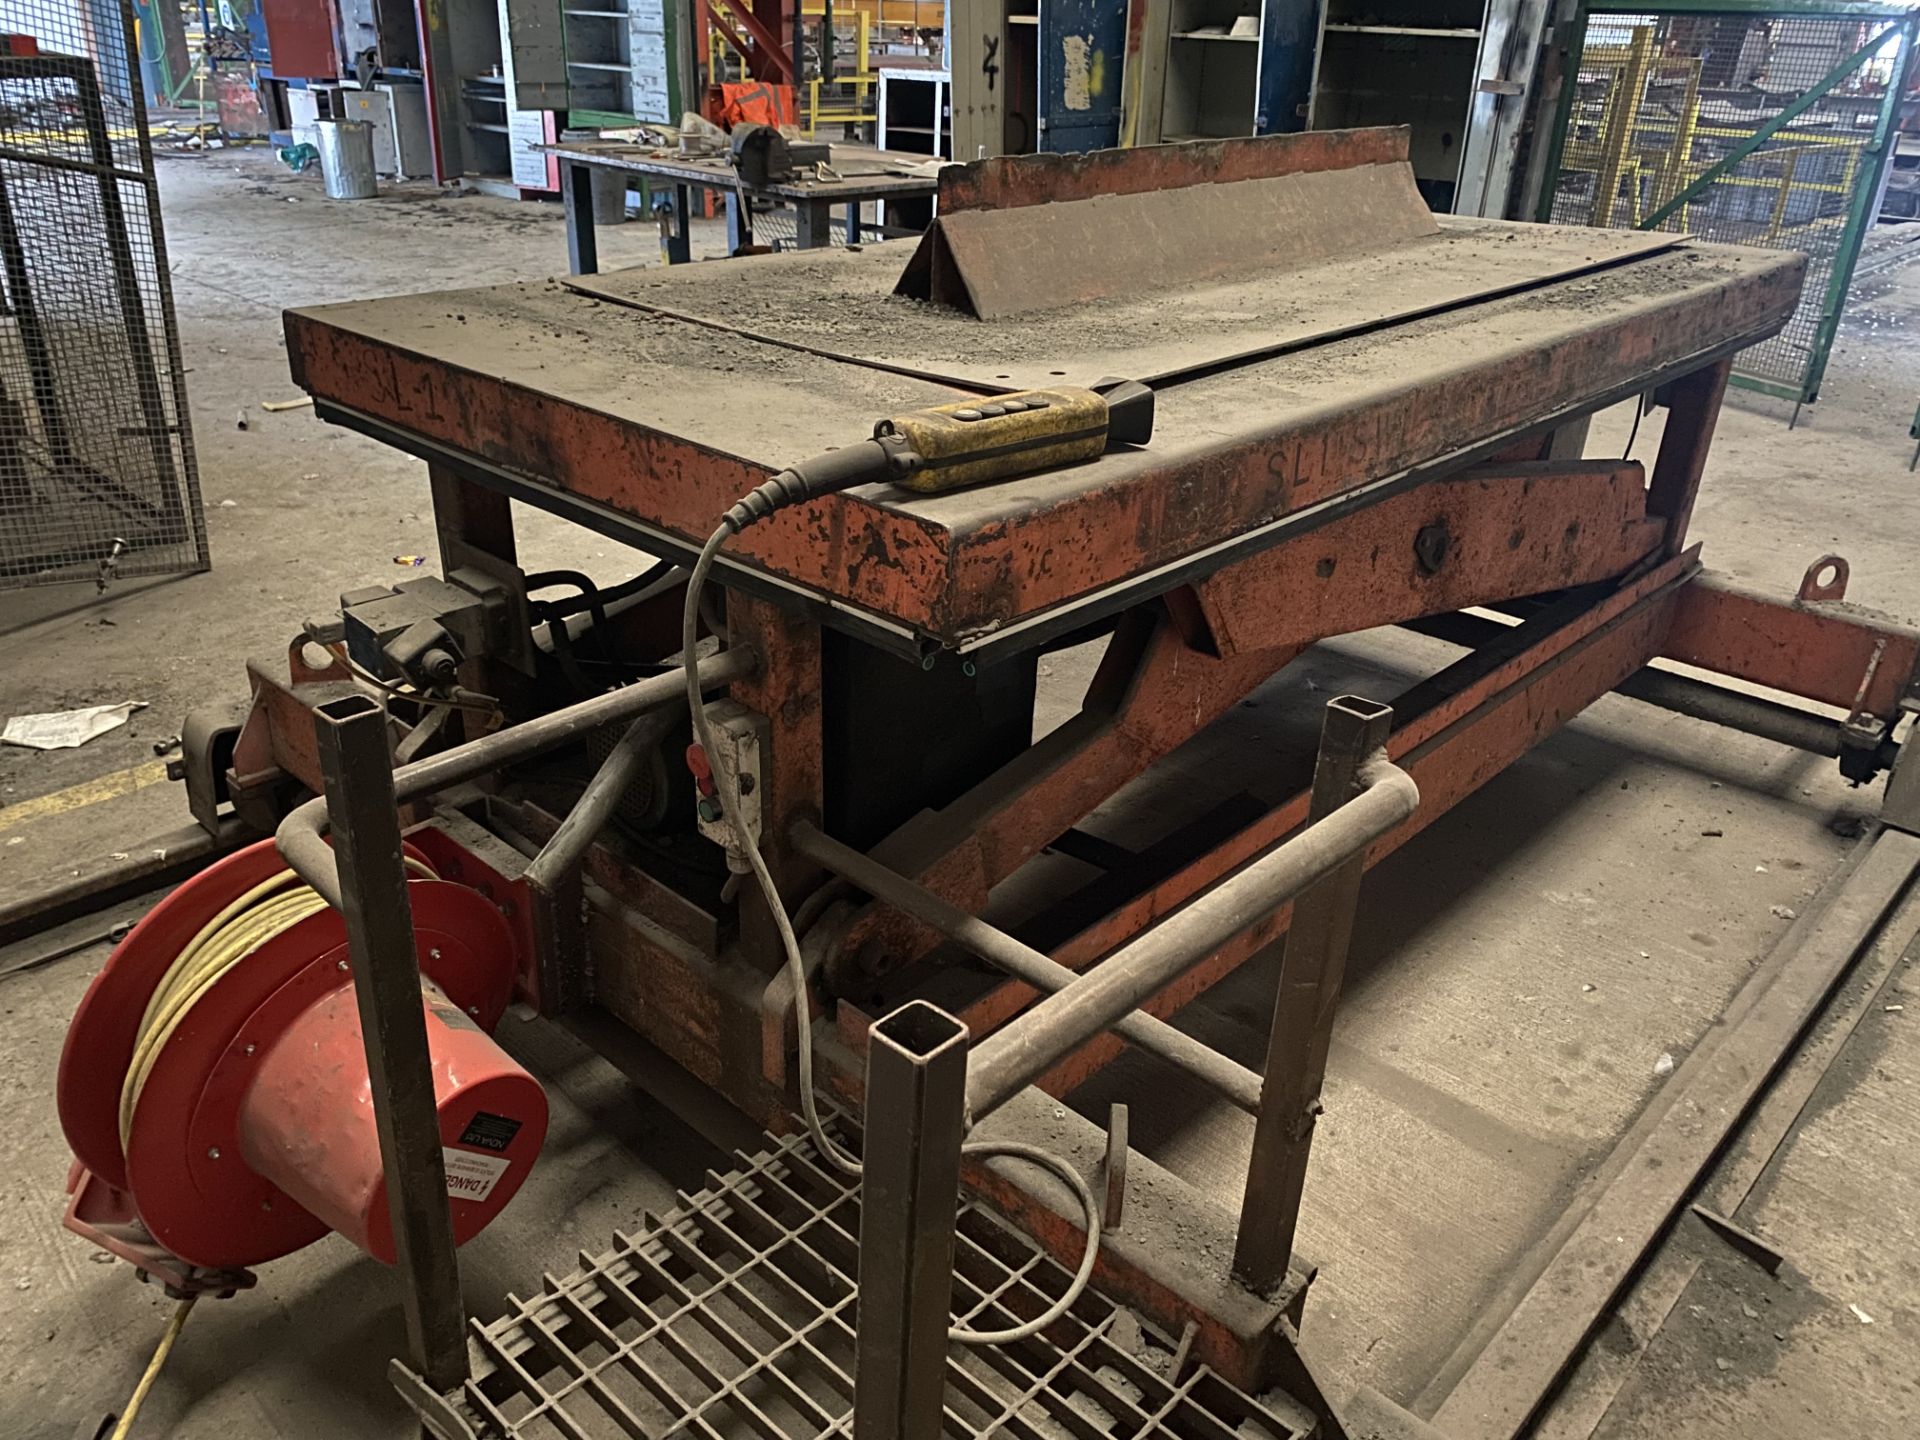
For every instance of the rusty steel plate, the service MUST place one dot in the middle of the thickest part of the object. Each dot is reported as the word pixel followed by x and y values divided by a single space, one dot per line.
pixel 837 304
pixel 647 427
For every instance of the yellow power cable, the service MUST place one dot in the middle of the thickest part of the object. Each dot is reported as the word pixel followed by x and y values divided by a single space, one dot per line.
pixel 265 912
pixel 165 1347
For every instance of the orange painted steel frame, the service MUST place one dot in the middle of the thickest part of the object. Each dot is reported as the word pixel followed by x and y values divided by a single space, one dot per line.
pixel 1602 542
pixel 1597 535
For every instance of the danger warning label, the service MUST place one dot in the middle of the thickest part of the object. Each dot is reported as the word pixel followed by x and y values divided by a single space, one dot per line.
pixel 471 1176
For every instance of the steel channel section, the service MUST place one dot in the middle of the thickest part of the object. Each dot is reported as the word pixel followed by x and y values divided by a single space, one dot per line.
pixel 1019 1053
pixel 1313 966
pixel 909 1193
pixel 386 981
pixel 1657 1166
pixel 1226 1077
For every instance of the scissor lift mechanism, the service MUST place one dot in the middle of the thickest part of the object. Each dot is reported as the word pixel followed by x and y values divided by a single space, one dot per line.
pixel 1361 429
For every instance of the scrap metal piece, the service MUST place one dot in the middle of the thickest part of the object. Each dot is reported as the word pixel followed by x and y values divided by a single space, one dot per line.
pixel 1741 1239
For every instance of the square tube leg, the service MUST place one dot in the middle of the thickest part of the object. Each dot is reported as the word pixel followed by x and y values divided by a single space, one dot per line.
pixel 812 224
pixel 679 235
pixel 576 198
pixel 909 1192
pixel 352 734
pixel 1311 970
pixel 739 221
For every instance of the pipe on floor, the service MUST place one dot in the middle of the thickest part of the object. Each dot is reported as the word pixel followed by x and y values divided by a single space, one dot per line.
pixel 1230 1079
pixel 301 837
pixel 1011 1058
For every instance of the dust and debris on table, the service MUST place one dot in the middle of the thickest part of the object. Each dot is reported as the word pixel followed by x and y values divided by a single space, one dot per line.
pixel 67 729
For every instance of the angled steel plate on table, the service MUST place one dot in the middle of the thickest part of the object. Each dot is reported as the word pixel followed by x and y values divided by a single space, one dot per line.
pixel 843 305
pixel 992 263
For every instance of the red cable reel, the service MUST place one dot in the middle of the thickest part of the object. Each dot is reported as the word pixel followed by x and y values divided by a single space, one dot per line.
pixel 253 1131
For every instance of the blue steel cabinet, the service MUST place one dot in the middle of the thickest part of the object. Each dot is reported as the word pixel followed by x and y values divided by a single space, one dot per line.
pixel 1289 31
pixel 1237 67
pixel 1082 53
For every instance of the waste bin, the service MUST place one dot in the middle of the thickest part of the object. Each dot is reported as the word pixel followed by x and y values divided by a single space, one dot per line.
pixel 346 159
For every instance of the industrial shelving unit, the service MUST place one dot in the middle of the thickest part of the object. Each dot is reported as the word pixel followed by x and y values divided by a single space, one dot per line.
pixel 1404 62
pixel 1213 69
pixel 617 58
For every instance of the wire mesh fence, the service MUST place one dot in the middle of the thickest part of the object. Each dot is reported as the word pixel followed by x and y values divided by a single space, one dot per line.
pixel 1762 127
pixel 97 476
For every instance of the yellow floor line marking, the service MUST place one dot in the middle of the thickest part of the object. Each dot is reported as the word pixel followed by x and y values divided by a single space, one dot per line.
pixel 78 797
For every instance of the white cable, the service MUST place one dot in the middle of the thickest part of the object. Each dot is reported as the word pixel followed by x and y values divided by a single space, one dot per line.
pixel 727 793
pixel 1047 1160
pixel 731 806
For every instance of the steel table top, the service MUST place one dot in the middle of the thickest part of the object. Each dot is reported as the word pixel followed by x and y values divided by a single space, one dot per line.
pixel 865 173
pixel 644 402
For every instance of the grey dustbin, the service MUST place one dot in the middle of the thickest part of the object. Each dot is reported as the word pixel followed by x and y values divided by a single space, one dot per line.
pixel 346 159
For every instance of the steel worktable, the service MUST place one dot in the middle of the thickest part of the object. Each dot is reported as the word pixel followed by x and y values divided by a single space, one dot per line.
pixel 1366 415
pixel 864 174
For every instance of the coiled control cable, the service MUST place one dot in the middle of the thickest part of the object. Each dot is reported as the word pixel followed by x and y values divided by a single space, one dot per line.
pixel 264 913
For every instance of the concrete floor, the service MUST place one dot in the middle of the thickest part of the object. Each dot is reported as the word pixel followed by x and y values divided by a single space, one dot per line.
pixel 1519 971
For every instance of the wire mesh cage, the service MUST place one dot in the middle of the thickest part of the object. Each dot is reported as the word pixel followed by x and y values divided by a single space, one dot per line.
pixel 97 477
pixel 1748 126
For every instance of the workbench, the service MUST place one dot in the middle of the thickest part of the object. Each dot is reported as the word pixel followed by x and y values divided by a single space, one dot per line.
pixel 1366 415
pixel 863 174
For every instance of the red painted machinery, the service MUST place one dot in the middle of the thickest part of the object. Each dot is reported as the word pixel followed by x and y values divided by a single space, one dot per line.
pixel 219 1111
pixel 1364 415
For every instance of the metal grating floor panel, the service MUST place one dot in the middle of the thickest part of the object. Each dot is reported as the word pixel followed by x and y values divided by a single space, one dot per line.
pixel 733 1319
